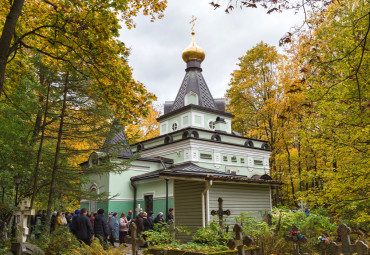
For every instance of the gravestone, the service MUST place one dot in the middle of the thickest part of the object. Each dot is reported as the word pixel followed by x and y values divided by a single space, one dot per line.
pixel 220 212
pixel 133 239
pixel 23 214
pixel 296 239
pixel 346 248
pixel 239 241
pixel 138 209
pixel 302 205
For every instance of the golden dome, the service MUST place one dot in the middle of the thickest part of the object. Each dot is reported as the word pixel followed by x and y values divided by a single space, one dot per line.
pixel 193 51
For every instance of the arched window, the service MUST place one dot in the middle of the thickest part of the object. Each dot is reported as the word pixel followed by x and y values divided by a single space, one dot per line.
pixel 249 144
pixel 265 146
pixel 168 139
pixel 216 138
pixel 140 147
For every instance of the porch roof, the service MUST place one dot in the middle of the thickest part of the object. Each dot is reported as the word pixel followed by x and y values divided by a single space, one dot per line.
pixel 191 170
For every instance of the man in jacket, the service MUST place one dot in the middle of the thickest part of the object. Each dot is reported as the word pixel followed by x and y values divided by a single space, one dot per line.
pixel 100 227
pixel 140 223
pixel 83 227
pixel 73 224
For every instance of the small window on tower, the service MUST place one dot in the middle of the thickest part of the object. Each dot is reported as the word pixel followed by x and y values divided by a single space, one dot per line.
pixel 174 126
pixel 211 125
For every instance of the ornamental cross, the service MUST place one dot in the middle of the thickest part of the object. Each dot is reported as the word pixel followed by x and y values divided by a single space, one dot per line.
pixel 133 239
pixel 220 212
pixel 302 205
pixel 346 248
pixel 192 22
pixel 22 215
pixel 239 241
pixel 296 239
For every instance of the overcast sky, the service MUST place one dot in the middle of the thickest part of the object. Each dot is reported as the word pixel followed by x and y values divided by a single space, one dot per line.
pixel 156 47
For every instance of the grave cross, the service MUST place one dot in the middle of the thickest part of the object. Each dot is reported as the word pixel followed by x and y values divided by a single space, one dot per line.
pixel 302 205
pixel 346 248
pixel 23 215
pixel 220 212
pixel 296 240
pixel 133 239
pixel 138 208
pixel 239 241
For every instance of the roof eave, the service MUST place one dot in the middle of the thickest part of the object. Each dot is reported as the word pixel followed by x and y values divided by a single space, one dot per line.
pixel 195 107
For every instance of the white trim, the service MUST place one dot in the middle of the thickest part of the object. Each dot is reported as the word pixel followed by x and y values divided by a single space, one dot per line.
pixel 204 145
pixel 182 120
pixel 139 168
pixel 161 130
pixel 147 193
pixel 186 98
pixel 139 199
pixel 212 129
pixel 196 114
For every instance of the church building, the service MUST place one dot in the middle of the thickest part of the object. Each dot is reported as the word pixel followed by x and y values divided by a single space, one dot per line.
pixel 195 160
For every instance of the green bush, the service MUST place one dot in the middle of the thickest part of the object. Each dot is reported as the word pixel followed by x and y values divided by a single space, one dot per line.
pixel 163 234
pixel 212 234
pixel 59 242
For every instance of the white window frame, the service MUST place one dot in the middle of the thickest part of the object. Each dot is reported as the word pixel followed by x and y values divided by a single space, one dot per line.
pixel 214 125
pixel 177 126
pixel 192 93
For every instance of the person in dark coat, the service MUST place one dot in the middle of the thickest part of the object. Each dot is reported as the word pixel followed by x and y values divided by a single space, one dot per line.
pixel 83 227
pixel 147 225
pixel 140 223
pixel 169 218
pixel 151 219
pixel 113 229
pixel 52 221
pixel 73 223
pixel 159 218
pixel 100 227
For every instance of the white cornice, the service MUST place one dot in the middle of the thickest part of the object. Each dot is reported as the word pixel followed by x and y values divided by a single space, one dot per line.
pixel 207 146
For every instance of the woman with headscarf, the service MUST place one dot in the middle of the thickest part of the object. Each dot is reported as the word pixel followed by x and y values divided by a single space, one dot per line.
pixel 159 218
pixel 113 228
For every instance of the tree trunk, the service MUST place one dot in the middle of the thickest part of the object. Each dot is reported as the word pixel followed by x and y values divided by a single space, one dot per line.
pixel 57 151
pixel 37 167
pixel 6 37
pixel 299 166
pixel 290 172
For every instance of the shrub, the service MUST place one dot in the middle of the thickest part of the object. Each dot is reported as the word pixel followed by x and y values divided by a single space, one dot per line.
pixel 97 249
pixel 163 233
pixel 211 234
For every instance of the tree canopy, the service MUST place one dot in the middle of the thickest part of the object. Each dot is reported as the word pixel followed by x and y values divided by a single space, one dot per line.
pixel 318 105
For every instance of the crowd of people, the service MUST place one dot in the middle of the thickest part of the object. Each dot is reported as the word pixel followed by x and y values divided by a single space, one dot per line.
pixel 86 225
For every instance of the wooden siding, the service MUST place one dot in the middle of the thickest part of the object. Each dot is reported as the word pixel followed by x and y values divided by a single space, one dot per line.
pixel 188 206
pixel 240 198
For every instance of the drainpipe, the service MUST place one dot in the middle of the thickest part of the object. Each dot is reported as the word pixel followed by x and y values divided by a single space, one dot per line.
pixel 165 168
pixel 205 208
pixel 134 205
pixel 166 198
